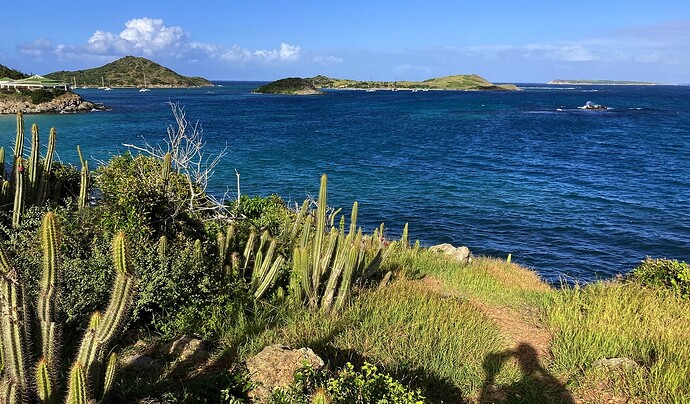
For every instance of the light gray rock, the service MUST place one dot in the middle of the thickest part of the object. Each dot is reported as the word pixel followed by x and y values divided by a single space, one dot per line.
pixel 139 362
pixel 185 348
pixel 275 366
pixel 461 254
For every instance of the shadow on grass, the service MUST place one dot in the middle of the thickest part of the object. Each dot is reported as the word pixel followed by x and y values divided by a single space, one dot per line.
pixel 536 386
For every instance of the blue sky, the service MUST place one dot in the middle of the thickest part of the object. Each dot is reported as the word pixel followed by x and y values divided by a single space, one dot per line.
pixel 502 40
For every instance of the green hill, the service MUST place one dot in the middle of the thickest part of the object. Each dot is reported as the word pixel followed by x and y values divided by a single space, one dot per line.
pixel 457 82
pixel 11 73
pixel 129 71
pixel 290 85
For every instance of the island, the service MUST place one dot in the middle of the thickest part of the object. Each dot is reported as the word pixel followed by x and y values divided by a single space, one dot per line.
pixel 313 85
pixel 290 86
pixel 128 72
pixel 602 82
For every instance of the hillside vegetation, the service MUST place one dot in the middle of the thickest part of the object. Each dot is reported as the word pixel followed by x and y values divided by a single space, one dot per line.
pixel 11 73
pixel 457 82
pixel 129 71
pixel 290 85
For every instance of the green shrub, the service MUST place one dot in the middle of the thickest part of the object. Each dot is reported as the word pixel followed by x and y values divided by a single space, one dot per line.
pixel 41 95
pixel 349 386
pixel 140 203
pixel 671 274
pixel 259 213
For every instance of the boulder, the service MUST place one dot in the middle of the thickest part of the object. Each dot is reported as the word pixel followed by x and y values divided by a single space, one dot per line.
pixel 185 348
pixel 461 254
pixel 275 366
pixel 138 362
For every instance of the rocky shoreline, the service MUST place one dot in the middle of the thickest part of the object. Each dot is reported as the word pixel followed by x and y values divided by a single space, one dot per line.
pixel 67 103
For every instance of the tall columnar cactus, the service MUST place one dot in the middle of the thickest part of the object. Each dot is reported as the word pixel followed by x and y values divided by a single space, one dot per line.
pixel 84 184
pixel 2 163
pixel 166 169
pixel 19 140
pixel 259 263
pixel 22 381
pixel 44 182
pixel 34 159
pixel 325 264
pixel 18 207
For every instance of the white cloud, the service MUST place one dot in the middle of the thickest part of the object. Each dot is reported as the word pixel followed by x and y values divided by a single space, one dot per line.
pixel 150 37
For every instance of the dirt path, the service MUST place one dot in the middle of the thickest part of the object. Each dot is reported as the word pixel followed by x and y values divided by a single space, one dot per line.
pixel 527 342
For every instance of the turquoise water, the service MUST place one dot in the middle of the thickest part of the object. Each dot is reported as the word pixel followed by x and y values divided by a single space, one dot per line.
pixel 569 192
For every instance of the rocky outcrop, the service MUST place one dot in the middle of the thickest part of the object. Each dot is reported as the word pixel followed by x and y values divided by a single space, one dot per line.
pixel 64 104
pixel 461 254
pixel 275 366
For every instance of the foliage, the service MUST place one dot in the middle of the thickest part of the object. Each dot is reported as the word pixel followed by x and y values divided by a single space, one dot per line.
pixel 138 201
pixel 260 213
pixel 349 386
pixel 667 273
pixel 41 95
pixel 11 73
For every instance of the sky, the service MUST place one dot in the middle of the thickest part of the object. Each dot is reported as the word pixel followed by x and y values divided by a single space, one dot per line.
pixel 508 41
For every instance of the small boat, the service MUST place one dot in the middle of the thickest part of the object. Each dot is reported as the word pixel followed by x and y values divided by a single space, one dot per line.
pixel 145 88
pixel 370 90
pixel 592 106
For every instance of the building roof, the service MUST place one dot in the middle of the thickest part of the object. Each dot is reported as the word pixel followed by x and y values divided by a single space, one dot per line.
pixel 36 79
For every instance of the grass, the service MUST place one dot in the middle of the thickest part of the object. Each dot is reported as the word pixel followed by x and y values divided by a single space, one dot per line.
pixel 436 336
pixel 608 320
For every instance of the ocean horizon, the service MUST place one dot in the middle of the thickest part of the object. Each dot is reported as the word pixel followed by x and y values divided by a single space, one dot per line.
pixel 576 195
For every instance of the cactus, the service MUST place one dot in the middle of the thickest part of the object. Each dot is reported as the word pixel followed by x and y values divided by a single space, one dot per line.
pixel 18 207
pixel 84 184
pixel 405 239
pixel 34 159
pixel 261 263
pixel 44 185
pixel 5 193
pixel 2 163
pixel 167 167
pixel 16 383
pixel 510 258
pixel 19 140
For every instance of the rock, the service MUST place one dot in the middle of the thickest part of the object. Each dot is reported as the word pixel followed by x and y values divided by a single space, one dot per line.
pixel 615 363
pixel 275 366
pixel 66 103
pixel 185 348
pixel 461 254
pixel 138 362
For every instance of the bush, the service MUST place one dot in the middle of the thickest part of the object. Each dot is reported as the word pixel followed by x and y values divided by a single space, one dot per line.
pixel 348 386
pixel 269 213
pixel 41 95
pixel 663 272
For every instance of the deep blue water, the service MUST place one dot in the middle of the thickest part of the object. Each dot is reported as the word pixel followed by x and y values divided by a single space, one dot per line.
pixel 585 194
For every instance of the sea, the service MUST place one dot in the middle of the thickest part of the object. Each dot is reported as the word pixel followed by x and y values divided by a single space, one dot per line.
pixel 576 195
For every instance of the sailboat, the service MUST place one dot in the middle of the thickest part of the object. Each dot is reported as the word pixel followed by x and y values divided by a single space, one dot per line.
pixel 103 87
pixel 145 88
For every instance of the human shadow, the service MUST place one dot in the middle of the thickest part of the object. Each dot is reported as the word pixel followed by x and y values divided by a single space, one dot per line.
pixel 536 386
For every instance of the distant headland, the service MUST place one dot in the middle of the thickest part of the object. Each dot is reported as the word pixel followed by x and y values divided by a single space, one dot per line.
pixel 602 82
pixel 129 71
pixel 462 82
